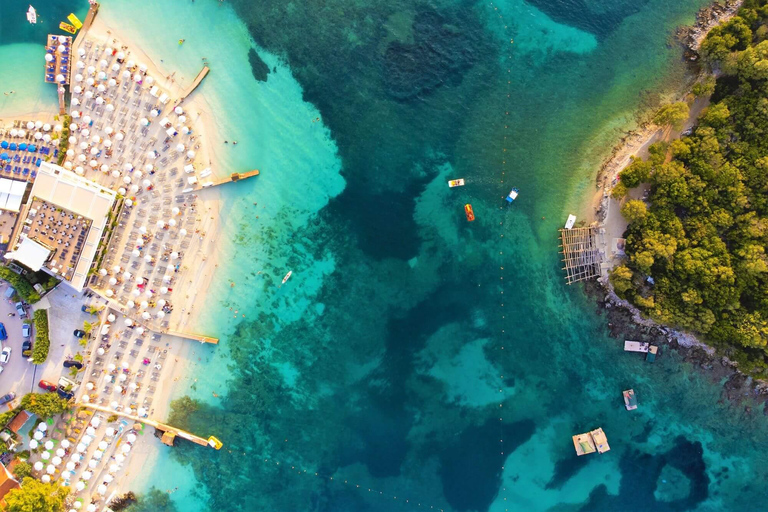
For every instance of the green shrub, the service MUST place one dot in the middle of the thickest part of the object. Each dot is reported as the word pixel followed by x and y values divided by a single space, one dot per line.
pixel 42 341
pixel 23 288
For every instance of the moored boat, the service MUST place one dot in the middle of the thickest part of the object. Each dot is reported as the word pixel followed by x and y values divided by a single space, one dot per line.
pixel 456 183
pixel 512 195
pixel 570 222
pixel 214 442
pixel 469 212
pixel 32 15
pixel 630 400
pixel 287 276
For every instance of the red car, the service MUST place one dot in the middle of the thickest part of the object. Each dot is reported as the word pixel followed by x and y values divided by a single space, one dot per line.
pixel 48 386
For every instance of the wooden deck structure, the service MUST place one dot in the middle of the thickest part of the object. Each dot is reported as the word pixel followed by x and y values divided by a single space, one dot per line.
pixel 235 176
pixel 581 254
pixel 169 432
pixel 195 83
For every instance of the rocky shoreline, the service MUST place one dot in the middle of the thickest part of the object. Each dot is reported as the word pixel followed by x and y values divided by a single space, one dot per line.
pixel 625 322
pixel 707 18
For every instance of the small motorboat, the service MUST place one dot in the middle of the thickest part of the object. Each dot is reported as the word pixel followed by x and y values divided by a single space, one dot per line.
pixel 456 183
pixel 468 211
pixel 630 400
pixel 214 442
pixel 512 195
pixel 287 276
pixel 32 15
pixel 75 21
pixel 570 222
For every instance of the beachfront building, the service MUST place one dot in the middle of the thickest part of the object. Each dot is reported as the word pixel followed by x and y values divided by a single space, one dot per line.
pixel 62 224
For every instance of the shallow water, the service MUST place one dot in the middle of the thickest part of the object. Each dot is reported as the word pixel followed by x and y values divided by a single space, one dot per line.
pixel 414 360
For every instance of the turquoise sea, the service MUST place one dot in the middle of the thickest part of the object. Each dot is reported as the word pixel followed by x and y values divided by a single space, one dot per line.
pixel 416 361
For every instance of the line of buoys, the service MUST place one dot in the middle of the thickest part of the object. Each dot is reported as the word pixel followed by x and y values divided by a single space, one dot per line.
pixel 501 338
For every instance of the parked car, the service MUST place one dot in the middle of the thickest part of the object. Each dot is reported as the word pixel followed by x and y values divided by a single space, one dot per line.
pixel 26 331
pixel 3 332
pixel 79 333
pixel 20 310
pixel 5 355
pixel 26 345
pixel 7 398
pixel 48 386
pixel 73 364
pixel 63 393
pixel 9 292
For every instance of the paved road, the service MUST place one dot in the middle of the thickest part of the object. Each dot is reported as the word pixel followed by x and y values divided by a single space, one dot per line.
pixel 64 316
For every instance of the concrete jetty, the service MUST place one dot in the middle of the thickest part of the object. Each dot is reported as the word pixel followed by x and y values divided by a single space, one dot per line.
pixel 235 176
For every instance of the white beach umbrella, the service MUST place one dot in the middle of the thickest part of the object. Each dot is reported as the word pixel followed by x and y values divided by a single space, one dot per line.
pixel 42 426
pixel 102 75
pixel 130 63
pixel 81 158
pixel 60 78
pixel 46 137
pixel 99 351
pixel 133 385
pixel 79 170
pixel 160 314
pixel 70 466
pixel 172 222
pixel 33 443
pixel 141 412
pixel 102 489
pixel 167 278
pixel 86 120
pixel 38 135
pixel 146 316
pixel 60 452
pixel 160 223
pixel 85 398
pixel 46 127
pixel 152 154
pixel 46 479
pixel 136 253
pixel 76 457
pixel 119 458
pixel 100 88
pixel 70 153
pixel 104 168
pixel 48 57
pixel 128 202
pixel 134 188
pixel 174 255
pixel 113 468
pixel 126 74
pixel 120 55
pixel 154 113
pixel 185 130
pixel 68 165
pixel 38 435
pixel 90 80
pixel 93 163
pixel 126 448
pixel 80 486
pixel 128 322
pixel 93 463
pixel 149 167
pixel 117 269
pixel 131 438
pixel 56 460
pixel 108 50
pixel 116 174
pixel 80 64
pixel 163 290
pixel 190 154
pixel 115 67
pixel 126 179
pixel 65 444
pixel 81 447
pixel 182 119
pixel 110 107
pixel 45 455
pixel 30 125
pixel 136 293
pixel 100 100
pixel 112 281
pixel 51 469
pixel 139 280
pixel 81 51
pixel 130 304
pixel 91 70
pixel 144 121
pixel 90 431
pixel 48 444
pixel 107 143
pixel 89 386
pixel 128 166
pixel 110 432
pixel 103 445
pixel 123 378
pixel 115 405
pixel 142 229
pixel 178 110
pixel 75 115
pixel 72 139
pixel 38 466
pixel 86 475
pixel 144 304
pixel 140 331
pixel 137 77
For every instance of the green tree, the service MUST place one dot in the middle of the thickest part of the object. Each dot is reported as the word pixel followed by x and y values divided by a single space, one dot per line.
pixel 672 115
pixel 22 470
pixel 621 279
pixel 634 211
pixel 619 191
pixel 716 115
pixel 44 405
pixel 36 496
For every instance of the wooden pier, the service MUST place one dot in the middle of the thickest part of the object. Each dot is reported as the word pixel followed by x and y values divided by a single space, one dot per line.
pixel 169 432
pixel 92 11
pixel 235 176
pixel 194 337
pixel 581 254
pixel 195 83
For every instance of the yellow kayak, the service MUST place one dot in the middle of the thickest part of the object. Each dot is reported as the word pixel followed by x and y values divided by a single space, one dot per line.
pixel 75 21
pixel 215 443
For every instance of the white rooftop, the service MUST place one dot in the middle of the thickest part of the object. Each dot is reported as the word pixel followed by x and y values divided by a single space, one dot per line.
pixel 80 196
pixel 11 193
pixel 30 253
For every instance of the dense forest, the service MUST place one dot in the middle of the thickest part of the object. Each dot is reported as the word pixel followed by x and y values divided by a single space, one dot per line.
pixel 697 246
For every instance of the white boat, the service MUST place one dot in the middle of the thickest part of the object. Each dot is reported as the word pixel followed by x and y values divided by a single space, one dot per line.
pixel 32 15
pixel 456 183
pixel 287 276
pixel 570 222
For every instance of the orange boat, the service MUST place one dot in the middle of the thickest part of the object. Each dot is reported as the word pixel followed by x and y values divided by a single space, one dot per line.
pixel 469 212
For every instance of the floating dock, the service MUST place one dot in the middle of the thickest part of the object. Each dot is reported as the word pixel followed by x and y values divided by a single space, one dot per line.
pixel 591 442
pixel 630 399
pixel 194 337
pixel 169 433
pixel 235 176
pixel 642 347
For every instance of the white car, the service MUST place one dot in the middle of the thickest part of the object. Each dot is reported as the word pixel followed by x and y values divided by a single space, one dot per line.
pixel 5 355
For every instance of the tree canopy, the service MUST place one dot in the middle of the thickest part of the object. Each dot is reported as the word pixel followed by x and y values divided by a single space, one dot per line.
pixel 703 234
pixel 44 405
pixel 35 496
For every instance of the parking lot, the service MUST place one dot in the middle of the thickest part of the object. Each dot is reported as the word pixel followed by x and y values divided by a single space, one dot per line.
pixel 64 316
